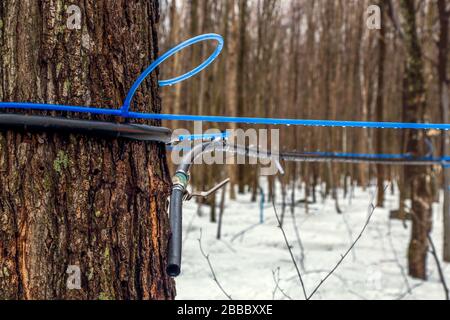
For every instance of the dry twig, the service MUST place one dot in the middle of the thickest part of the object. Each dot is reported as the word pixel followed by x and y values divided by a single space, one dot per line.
pixel 206 256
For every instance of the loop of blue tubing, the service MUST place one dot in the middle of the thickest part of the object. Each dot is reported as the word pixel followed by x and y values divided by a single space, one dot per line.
pixel 124 110
pixel 168 54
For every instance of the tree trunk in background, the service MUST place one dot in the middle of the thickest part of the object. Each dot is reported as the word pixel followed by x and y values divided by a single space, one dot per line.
pixel 69 200
pixel 174 64
pixel 195 51
pixel 380 105
pixel 230 54
pixel 364 93
pixel 417 177
pixel 444 16
pixel 243 170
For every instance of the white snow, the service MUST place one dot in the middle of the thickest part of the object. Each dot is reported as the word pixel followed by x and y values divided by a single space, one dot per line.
pixel 245 265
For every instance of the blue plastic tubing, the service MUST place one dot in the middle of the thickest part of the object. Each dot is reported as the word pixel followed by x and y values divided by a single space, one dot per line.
pixel 125 112
pixel 383 156
pixel 443 161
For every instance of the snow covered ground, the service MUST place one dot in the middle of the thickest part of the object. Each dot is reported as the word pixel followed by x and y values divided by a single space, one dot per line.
pixel 249 266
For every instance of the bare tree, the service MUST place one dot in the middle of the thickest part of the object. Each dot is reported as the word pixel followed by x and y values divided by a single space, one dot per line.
pixel 414 110
pixel 444 16
pixel 380 101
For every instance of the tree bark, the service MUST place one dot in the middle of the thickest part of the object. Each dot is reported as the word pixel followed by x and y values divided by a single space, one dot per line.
pixel 444 17
pixel 242 170
pixel 230 53
pixel 71 200
pixel 380 104
pixel 417 177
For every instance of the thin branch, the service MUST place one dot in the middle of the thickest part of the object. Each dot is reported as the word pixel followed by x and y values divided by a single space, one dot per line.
pixel 396 258
pixel 243 232
pixel 409 292
pixel 413 287
pixel 206 256
pixel 290 249
pixel 434 253
pixel 189 228
pixel 439 267
pixel 372 208
pixel 349 232
pixel 276 279
pixel 299 241
pixel 342 279
pixel 228 246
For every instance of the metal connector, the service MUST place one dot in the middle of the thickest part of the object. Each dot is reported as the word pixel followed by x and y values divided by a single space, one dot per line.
pixel 204 194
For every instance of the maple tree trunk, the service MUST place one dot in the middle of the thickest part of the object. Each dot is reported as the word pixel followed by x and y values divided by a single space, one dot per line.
pixel 418 178
pixel 380 106
pixel 71 200
pixel 444 22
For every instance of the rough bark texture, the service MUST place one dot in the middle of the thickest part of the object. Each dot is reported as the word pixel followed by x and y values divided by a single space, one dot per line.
pixel 74 200
pixel 444 23
pixel 380 103
pixel 418 178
